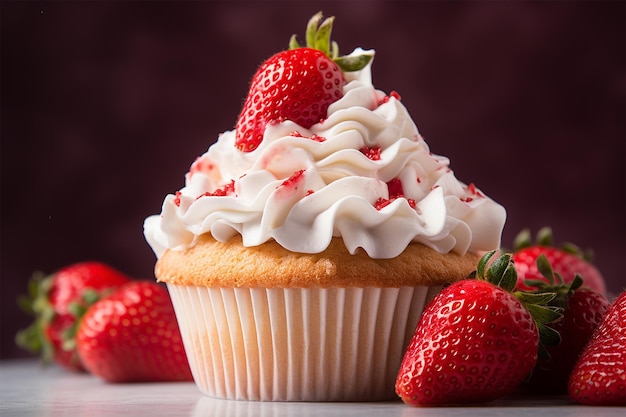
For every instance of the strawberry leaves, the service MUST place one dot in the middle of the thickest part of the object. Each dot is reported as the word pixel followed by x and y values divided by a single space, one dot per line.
pixel 502 273
pixel 36 303
pixel 318 37
pixel 543 314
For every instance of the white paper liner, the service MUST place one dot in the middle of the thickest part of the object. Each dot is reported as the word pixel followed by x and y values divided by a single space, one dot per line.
pixel 298 344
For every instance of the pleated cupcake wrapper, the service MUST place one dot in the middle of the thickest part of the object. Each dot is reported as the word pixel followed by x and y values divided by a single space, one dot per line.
pixel 295 344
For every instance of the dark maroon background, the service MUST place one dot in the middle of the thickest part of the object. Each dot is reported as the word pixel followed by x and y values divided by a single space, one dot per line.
pixel 106 104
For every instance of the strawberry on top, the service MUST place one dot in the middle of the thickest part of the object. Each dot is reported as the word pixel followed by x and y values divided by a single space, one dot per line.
pixel 297 84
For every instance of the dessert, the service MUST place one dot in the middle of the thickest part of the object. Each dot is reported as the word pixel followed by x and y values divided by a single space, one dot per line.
pixel 306 242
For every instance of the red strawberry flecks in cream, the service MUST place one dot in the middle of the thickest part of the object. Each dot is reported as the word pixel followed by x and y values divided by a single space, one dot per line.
pixel 221 192
pixel 473 193
pixel 396 191
pixel 395 188
pixel 201 165
pixel 386 99
pixel 365 166
pixel 294 180
pixel 316 138
pixel 372 153
pixel 292 187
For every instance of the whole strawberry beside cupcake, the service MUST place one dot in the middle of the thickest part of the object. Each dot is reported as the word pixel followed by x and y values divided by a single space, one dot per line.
pixel 132 336
pixel 89 317
pixel 477 340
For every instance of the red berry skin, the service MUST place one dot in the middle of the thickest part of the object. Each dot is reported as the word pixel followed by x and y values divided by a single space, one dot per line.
pixel 69 283
pixel 474 343
pixel 54 333
pixel 297 85
pixel 57 302
pixel 581 317
pixel 563 263
pixel 133 336
pixel 599 376
pixel 68 286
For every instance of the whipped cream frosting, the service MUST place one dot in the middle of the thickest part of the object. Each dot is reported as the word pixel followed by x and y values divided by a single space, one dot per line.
pixel 364 174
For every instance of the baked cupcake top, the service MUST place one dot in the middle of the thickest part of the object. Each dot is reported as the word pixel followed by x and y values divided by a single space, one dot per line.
pixel 211 263
pixel 362 173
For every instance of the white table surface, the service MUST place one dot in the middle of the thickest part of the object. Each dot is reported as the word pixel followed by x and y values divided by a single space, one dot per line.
pixel 26 389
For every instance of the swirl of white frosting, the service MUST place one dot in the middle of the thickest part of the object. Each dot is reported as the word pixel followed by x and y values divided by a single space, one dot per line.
pixel 301 187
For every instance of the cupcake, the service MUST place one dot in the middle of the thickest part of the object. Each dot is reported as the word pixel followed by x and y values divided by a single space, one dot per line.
pixel 306 242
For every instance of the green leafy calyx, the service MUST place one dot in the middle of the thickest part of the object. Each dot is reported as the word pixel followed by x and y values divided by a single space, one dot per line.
pixel 36 303
pixel 317 36
pixel 555 283
pixel 501 272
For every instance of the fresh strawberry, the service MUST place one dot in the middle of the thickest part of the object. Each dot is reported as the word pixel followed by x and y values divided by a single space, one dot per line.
pixel 297 84
pixel 476 341
pixel 583 309
pixel 132 335
pixel 567 260
pixel 599 377
pixel 57 302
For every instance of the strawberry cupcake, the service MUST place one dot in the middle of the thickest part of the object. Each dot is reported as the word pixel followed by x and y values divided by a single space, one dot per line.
pixel 306 242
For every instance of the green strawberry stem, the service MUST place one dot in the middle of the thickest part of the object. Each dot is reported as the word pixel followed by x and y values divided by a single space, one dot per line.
pixel 317 36
pixel 501 272
pixel 35 303
pixel 88 298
